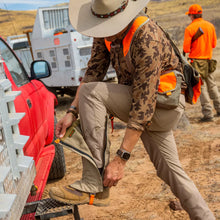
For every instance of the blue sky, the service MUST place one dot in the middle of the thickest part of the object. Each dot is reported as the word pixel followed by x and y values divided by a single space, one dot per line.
pixel 28 4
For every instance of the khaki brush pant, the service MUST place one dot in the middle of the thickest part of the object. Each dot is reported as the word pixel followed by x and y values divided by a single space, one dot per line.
pixel 209 89
pixel 96 99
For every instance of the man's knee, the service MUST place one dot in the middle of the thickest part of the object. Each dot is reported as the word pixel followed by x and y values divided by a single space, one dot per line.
pixel 85 90
pixel 92 89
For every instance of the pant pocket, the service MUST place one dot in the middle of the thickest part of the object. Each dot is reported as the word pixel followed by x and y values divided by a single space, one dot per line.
pixel 166 120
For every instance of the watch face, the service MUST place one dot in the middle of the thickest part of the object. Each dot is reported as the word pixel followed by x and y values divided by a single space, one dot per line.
pixel 126 156
pixel 123 155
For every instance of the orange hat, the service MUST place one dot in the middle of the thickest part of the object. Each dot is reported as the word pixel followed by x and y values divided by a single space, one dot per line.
pixel 194 9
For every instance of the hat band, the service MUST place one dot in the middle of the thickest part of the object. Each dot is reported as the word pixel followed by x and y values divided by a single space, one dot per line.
pixel 111 14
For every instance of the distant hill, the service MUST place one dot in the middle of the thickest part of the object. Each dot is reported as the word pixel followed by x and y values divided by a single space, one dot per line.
pixel 169 14
pixel 15 22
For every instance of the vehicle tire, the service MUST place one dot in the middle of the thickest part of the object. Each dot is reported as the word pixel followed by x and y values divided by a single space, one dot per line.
pixel 58 168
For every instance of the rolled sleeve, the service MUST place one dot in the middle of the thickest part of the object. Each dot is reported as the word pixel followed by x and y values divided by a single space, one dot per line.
pixel 98 63
pixel 187 41
pixel 214 41
pixel 147 64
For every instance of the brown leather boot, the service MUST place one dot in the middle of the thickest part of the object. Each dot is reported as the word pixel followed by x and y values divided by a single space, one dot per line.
pixel 102 198
pixel 69 195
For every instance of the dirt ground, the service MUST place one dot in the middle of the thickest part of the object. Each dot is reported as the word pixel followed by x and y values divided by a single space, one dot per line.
pixel 141 194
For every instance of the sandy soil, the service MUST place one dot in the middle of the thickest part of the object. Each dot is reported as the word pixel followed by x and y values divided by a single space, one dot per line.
pixel 141 194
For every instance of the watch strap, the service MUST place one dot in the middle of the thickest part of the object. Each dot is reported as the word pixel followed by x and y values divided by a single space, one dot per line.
pixel 125 155
pixel 73 107
pixel 73 112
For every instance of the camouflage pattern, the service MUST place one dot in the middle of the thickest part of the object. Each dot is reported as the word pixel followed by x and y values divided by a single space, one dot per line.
pixel 151 54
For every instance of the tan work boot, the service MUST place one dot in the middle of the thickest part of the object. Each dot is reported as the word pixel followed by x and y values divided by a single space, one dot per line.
pixel 68 194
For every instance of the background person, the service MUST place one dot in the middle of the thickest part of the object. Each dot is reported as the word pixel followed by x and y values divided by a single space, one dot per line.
pixel 119 31
pixel 200 53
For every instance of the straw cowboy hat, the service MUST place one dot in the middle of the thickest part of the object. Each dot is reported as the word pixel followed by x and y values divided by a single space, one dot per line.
pixel 103 18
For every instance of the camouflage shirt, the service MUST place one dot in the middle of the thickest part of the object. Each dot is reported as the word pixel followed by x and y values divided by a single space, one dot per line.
pixel 151 54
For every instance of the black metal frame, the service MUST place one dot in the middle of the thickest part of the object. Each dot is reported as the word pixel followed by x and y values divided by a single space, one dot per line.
pixel 49 208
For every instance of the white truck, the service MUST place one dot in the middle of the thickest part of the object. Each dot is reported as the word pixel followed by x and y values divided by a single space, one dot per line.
pixel 20 45
pixel 54 39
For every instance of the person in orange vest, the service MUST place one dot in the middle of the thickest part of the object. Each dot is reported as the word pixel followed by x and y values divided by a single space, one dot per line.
pixel 140 53
pixel 199 41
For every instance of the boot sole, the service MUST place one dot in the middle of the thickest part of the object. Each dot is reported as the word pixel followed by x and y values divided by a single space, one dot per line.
pixel 71 202
pixel 101 204
pixel 66 201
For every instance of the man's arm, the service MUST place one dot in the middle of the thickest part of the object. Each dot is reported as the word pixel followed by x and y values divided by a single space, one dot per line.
pixel 187 41
pixel 69 118
pixel 214 41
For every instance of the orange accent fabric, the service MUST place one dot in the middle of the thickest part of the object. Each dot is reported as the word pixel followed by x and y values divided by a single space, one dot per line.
pixel 91 199
pixel 112 121
pixel 59 33
pixel 196 91
pixel 57 141
pixel 202 47
pixel 108 44
pixel 128 38
pixel 167 83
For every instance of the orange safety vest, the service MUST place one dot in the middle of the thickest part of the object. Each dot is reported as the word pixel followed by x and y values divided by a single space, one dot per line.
pixel 202 47
pixel 138 23
pixel 168 80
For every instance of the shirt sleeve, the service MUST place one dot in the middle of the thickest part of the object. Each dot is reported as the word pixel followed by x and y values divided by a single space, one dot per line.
pixel 187 41
pixel 214 42
pixel 146 57
pixel 98 63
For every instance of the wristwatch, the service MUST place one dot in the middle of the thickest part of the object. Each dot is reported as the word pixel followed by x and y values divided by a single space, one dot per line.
pixel 125 155
pixel 72 109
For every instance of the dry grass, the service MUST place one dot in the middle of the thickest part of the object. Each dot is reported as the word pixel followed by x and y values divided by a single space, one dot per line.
pixel 15 22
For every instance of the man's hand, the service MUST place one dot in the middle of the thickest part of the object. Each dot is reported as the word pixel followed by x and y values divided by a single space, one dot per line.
pixel 63 124
pixel 115 169
pixel 114 172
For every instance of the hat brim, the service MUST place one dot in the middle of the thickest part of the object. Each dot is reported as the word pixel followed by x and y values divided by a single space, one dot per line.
pixel 193 13
pixel 86 23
